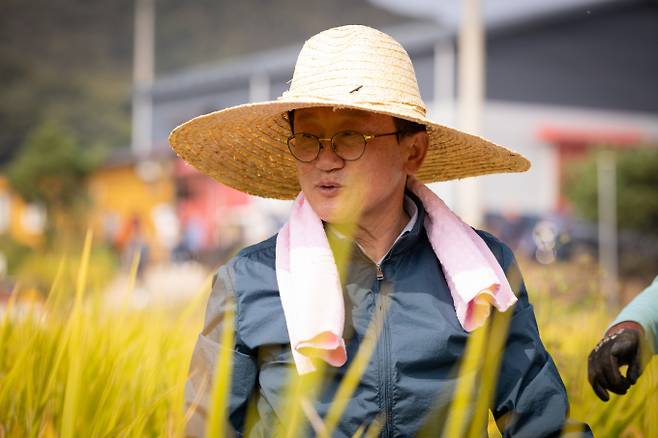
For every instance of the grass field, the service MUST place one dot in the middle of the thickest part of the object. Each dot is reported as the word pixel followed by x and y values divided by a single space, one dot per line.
pixel 73 366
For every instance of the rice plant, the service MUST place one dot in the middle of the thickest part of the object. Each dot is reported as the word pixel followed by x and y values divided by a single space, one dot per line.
pixel 76 366
pixel 82 368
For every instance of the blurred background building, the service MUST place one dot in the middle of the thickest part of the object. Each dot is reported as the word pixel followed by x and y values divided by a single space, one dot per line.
pixel 562 78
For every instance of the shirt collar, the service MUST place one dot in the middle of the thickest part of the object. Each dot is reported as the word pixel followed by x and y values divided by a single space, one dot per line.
pixel 410 208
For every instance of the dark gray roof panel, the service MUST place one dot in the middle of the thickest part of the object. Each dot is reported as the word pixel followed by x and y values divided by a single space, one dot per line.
pixel 414 37
pixel 609 60
pixel 604 57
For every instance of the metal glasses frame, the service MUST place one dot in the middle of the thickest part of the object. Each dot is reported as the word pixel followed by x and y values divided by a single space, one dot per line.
pixel 366 139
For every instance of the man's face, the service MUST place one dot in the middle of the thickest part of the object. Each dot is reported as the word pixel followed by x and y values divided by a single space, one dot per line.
pixel 341 191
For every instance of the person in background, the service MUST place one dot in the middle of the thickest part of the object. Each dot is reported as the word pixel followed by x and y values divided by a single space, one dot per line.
pixel 130 241
pixel 631 339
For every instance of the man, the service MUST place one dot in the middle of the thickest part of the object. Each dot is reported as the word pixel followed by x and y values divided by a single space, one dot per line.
pixel 367 245
pixel 631 340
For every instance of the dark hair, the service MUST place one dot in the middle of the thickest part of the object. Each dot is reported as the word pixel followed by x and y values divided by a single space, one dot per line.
pixel 405 127
pixel 291 120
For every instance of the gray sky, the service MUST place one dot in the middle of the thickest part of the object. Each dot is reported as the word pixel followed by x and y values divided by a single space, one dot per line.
pixel 496 12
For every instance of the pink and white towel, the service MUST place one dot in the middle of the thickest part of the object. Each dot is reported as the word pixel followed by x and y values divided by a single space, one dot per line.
pixel 312 296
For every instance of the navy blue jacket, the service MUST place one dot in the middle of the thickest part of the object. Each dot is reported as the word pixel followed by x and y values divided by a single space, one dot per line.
pixel 411 375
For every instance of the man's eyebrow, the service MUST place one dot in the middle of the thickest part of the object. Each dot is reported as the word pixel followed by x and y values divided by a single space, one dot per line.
pixel 311 120
pixel 345 118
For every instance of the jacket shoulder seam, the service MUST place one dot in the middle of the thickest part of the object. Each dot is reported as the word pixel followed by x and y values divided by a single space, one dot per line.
pixel 259 247
pixel 234 295
pixel 496 246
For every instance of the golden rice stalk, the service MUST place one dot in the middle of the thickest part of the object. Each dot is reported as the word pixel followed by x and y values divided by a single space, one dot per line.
pixel 73 380
pixel 469 409
pixel 355 371
pixel 221 387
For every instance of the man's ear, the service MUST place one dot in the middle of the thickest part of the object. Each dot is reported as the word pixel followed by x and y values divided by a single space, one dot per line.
pixel 416 145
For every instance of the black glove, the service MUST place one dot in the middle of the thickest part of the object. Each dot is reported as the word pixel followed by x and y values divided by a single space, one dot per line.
pixel 623 347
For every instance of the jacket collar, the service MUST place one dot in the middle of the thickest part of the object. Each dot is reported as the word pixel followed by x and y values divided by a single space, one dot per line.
pixel 410 238
pixel 407 240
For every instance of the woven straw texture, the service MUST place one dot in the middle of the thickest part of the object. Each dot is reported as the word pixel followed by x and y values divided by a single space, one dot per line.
pixel 353 67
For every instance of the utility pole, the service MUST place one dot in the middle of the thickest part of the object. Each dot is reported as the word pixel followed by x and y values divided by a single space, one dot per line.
pixel 471 97
pixel 143 73
pixel 607 200
pixel 443 109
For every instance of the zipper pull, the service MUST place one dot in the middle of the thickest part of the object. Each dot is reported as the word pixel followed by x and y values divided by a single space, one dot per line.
pixel 380 273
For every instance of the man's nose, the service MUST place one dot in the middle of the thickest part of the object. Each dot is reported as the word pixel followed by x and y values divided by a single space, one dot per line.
pixel 327 159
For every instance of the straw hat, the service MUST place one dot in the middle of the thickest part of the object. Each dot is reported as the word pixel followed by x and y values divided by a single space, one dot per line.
pixel 353 67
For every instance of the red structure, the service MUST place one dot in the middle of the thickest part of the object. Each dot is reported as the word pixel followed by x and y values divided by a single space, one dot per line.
pixel 204 206
pixel 573 145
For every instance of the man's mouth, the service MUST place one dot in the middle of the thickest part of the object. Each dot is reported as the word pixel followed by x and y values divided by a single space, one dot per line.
pixel 328 187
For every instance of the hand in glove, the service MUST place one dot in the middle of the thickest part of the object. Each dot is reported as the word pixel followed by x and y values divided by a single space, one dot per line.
pixel 622 345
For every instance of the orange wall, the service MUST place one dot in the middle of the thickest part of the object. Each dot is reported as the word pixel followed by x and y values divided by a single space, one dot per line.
pixel 17 210
pixel 120 193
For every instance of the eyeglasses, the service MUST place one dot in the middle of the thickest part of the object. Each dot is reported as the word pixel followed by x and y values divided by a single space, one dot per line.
pixel 348 145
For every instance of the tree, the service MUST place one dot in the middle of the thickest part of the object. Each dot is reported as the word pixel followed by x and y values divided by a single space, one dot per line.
pixel 51 169
pixel 637 189
pixel 637 205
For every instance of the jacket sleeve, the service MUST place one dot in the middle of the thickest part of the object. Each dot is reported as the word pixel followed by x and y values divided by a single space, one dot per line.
pixel 643 310
pixel 243 377
pixel 531 400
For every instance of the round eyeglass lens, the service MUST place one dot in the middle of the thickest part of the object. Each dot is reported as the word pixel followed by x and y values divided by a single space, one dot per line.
pixel 349 145
pixel 304 147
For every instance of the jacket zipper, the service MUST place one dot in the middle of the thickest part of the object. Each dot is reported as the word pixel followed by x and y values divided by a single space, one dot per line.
pixel 380 273
pixel 383 297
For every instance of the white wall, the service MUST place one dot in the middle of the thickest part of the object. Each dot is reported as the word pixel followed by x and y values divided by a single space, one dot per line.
pixel 517 126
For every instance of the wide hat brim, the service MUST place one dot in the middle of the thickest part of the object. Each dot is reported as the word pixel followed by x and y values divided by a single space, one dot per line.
pixel 245 147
